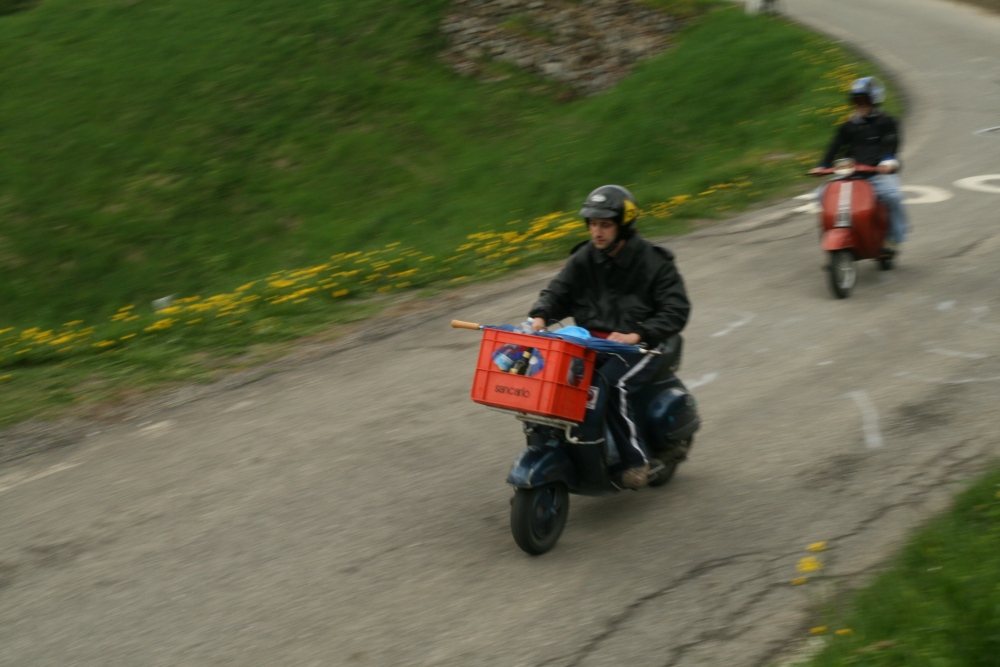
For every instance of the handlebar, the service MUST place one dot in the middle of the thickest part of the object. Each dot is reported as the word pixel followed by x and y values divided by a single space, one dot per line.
pixel 460 324
pixel 863 168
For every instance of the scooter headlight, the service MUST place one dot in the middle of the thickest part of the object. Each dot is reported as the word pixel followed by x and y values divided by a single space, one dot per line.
pixel 843 167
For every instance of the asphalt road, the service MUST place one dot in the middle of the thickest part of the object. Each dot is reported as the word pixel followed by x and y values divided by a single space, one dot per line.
pixel 352 511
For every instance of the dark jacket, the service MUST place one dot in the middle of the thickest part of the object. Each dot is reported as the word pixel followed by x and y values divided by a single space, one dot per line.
pixel 639 291
pixel 867 140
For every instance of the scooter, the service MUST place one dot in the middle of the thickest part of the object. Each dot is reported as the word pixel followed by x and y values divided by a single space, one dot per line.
pixel 562 409
pixel 853 224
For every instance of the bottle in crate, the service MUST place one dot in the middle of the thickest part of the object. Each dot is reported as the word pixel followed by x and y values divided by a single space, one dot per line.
pixel 520 366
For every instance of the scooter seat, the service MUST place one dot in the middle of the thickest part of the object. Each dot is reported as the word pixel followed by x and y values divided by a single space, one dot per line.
pixel 672 351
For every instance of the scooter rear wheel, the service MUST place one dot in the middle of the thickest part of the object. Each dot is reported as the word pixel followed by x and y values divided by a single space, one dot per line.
pixel 843 273
pixel 538 516
pixel 670 460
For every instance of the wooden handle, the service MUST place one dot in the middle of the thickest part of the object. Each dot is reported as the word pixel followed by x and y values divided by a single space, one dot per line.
pixel 459 324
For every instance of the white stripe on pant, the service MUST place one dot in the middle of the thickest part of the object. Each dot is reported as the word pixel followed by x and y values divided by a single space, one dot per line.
pixel 633 436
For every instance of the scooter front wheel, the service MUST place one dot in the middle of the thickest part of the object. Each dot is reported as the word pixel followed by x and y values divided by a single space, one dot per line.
pixel 843 273
pixel 538 516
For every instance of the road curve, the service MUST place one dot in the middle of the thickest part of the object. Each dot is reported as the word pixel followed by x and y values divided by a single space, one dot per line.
pixel 353 511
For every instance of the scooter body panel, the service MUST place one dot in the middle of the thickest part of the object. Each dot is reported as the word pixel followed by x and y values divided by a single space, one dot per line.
pixel 538 466
pixel 852 217
pixel 839 238
pixel 667 416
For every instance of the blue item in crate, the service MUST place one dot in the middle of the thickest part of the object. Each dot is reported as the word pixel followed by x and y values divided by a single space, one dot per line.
pixel 505 357
pixel 593 343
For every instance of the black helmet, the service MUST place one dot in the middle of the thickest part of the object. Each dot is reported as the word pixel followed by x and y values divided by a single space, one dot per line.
pixel 612 202
pixel 869 87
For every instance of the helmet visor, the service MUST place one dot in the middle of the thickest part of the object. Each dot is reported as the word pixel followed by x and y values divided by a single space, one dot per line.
pixel 598 212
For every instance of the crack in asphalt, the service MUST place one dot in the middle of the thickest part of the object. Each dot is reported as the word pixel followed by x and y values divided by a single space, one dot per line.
pixel 952 472
pixel 951 469
pixel 966 249
pixel 918 495
pixel 625 615
pixel 725 633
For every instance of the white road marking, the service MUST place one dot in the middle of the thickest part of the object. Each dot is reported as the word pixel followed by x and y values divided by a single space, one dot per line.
pixel 735 325
pixel 919 194
pixel 811 205
pixel 157 429
pixel 925 194
pixel 978 183
pixel 825 363
pixel 45 473
pixel 869 419
pixel 703 380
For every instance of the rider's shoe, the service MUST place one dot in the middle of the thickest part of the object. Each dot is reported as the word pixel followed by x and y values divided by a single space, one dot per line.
pixel 889 250
pixel 636 478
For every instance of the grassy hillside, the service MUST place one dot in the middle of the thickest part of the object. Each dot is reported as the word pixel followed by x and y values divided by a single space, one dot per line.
pixel 282 157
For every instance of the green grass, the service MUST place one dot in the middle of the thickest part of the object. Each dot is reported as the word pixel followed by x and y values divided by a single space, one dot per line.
pixel 216 149
pixel 938 605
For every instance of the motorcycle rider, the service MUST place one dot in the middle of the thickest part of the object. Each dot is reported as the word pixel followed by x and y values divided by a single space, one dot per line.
pixel 626 289
pixel 871 137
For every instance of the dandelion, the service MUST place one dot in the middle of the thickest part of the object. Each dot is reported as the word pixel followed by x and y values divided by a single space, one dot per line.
pixel 816 547
pixel 339 293
pixel 843 632
pixel 798 581
pixel 818 630
pixel 105 343
pixel 809 564
pixel 159 325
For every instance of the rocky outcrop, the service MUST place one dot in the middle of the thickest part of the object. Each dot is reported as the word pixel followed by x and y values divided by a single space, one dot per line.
pixel 587 44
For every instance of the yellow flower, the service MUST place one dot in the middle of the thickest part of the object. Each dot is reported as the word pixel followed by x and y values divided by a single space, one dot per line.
pixel 165 323
pixel 809 564
pixel 818 630
pixel 816 547
pixel 104 343
pixel 843 632
pixel 339 293
pixel 798 581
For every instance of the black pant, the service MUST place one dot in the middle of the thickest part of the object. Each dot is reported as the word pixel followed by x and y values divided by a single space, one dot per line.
pixel 625 375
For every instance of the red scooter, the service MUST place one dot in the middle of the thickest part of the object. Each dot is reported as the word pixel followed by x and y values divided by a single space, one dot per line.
pixel 853 224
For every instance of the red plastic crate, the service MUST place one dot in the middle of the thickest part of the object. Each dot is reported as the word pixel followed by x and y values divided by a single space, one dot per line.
pixel 555 391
